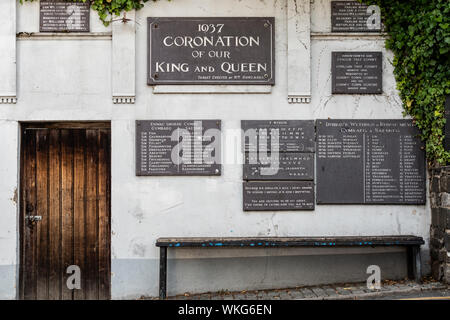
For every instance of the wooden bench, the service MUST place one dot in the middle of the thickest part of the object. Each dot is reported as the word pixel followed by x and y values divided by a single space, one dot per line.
pixel 412 244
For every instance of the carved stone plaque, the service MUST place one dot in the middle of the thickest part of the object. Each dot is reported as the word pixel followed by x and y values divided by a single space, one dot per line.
pixel 352 16
pixel 278 195
pixel 211 51
pixel 369 162
pixel 178 147
pixel 357 72
pixel 64 16
pixel 286 166
pixel 294 135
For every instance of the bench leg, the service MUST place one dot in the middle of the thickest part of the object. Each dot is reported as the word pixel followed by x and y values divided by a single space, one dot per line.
pixel 414 264
pixel 162 272
pixel 417 264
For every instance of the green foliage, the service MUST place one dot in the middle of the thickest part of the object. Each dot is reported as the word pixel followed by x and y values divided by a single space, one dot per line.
pixel 419 36
pixel 108 8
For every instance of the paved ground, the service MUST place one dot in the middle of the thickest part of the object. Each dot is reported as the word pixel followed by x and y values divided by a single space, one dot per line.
pixel 389 290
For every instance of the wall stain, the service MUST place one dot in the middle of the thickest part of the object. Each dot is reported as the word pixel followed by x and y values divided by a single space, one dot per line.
pixel 138 213
pixel 15 196
pixel 139 249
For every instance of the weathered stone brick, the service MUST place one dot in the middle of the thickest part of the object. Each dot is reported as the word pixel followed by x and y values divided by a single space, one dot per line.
pixel 444 183
pixel 439 255
pixel 447 240
pixel 435 200
pixel 447 273
pixel 442 219
pixel 436 270
pixel 434 254
pixel 435 171
pixel 445 214
pixel 436 233
pixel 443 255
pixel 445 199
pixel 437 243
pixel 435 214
pixel 435 184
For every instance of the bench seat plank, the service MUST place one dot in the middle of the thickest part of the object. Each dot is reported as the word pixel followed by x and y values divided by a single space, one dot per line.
pixel 412 243
pixel 290 241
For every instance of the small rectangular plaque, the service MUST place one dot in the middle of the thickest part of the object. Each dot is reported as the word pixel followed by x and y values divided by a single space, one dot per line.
pixel 178 147
pixel 287 166
pixel 211 50
pixel 357 72
pixel 64 16
pixel 352 16
pixel 278 195
pixel 370 162
pixel 294 135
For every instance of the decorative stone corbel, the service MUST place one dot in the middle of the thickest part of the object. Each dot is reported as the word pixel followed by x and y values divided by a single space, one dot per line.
pixel 8 100
pixel 299 51
pixel 124 59
pixel 8 71
pixel 123 100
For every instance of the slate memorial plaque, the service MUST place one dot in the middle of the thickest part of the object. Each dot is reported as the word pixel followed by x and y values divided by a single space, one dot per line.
pixel 357 73
pixel 211 51
pixel 287 166
pixel 178 147
pixel 447 124
pixel 278 195
pixel 352 16
pixel 279 164
pixel 369 162
pixel 294 135
pixel 64 16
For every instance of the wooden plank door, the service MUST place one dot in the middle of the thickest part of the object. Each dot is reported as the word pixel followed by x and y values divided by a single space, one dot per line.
pixel 65 211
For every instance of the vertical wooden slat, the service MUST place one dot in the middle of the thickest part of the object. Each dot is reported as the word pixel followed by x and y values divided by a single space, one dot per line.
pixel 66 208
pixel 54 216
pixel 103 214
pixel 42 259
pixel 22 202
pixel 30 205
pixel 108 207
pixel 79 212
pixel 91 272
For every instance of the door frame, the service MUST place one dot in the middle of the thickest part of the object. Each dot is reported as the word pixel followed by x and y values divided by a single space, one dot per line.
pixel 21 210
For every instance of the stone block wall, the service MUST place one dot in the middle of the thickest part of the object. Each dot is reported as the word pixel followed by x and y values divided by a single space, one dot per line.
pixel 440 224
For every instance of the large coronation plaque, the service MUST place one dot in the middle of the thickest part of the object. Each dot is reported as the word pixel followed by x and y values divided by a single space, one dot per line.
pixel 275 196
pixel 357 72
pixel 211 51
pixel 369 162
pixel 352 16
pixel 178 147
pixel 293 135
pixel 64 16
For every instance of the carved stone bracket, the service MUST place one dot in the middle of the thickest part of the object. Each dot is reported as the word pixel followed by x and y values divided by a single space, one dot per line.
pixel 124 59
pixel 299 51
pixel 123 100
pixel 8 52
pixel 8 100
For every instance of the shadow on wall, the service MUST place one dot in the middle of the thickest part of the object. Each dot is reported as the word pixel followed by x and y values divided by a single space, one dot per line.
pixel 140 277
